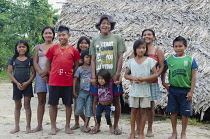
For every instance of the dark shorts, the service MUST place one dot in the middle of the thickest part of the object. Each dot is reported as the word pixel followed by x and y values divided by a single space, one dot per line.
pixel 177 101
pixel 118 90
pixel 18 94
pixel 64 92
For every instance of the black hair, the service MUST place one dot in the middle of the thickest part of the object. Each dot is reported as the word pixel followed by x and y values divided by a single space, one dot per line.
pixel 104 74
pixel 63 28
pixel 153 33
pixel 27 54
pixel 48 27
pixel 80 40
pixel 84 53
pixel 180 39
pixel 137 43
pixel 112 24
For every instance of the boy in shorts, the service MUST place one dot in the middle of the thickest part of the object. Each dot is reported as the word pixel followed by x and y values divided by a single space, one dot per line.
pixel 61 64
pixel 182 78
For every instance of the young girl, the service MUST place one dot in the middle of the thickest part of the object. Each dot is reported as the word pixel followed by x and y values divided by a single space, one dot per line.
pixel 84 100
pixel 138 71
pixel 82 45
pixel 104 98
pixel 41 86
pixel 19 68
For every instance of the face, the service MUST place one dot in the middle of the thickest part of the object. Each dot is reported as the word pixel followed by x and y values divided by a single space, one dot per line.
pixel 179 48
pixel 148 37
pixel 83 45
pixel 63 37
pixel 141 50
pixel 101 80
pixel 105 27
pixel 48 35
pixel 87 59
pixel 21 49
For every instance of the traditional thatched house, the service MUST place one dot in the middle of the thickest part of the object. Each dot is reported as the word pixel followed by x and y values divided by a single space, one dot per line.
pixel 169 19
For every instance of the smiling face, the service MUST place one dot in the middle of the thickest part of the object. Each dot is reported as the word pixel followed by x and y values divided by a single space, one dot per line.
pixel 83 45
pixel 179 48
pixel 141 50
pixel 101 80
pixel 48 35
pixel 105 27
pixel 21 49
pixel 148 37
pixel 63 37
pixel 87 59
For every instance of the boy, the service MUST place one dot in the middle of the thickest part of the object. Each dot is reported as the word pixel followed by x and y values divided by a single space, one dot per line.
pixel 84 100
pixel 106 52
pixel 61 64
pixel 182 78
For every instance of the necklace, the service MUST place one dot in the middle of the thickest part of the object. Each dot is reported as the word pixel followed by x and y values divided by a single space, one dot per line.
pixel 62 53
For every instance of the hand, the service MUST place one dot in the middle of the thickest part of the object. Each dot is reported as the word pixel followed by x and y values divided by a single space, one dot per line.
pixel 116 77
pixel 166 85
pixel 117 82
pixel 75 95
pixel 136 80
pixel 24 85
pixel 189 96
pixel 43 73
pixel 45 79
pixel 93 82
pixel 19 86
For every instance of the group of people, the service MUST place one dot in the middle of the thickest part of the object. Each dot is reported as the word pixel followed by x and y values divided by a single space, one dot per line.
pixel 90 77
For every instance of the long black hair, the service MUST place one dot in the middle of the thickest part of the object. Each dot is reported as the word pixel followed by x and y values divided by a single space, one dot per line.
pixel 48 27
pixel 137 43
pixel 104 74
pixel 80 40
pixel 27 54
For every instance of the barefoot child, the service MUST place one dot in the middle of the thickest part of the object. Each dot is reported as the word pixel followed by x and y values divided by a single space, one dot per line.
pixel 182 78
pixel 84 100
pixel 82 45
pixel 104 99
pixel 19 68
pixel 61 64
pixel 138 71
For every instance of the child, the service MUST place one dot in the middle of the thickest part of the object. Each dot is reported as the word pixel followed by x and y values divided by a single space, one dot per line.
pixel 104 98
pixel 182 78
pixel 41 86
pixel 106 52
pixel 138 71
pixel 21 65
pixel 61 64
pixel 84 99
pixel 82 45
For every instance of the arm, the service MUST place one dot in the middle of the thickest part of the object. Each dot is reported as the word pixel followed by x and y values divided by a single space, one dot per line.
pixel 151 77
pixel 93 69
pixel 129 77
pixel 48 65
pixel 193 80
pixel 161 59
pixel 163 75
pixel 9 73
pixel 74 86
pixel 119 66
pixel 25 84
pixel 75 67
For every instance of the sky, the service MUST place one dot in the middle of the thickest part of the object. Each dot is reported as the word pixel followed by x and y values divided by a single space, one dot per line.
pixel 56 4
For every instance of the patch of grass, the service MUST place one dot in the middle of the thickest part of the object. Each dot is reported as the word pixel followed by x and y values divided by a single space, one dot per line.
pixel 3 76
pixel 192 121
pixel 47 123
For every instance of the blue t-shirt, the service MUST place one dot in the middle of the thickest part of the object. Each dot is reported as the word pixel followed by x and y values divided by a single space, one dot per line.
pixel 84 75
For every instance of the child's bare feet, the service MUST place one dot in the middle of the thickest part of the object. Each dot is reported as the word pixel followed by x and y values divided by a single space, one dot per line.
pixel 68 130
pixel 136 132
pixel 111 129
pixel 28 130
pixel 132 136
pixel 141 136
pixel 85 129
pixel 95 129
pixel 149 134
pixel 15 130
pixel 183 136
pixel 173 136
pixel 53 131
pixel 75 127
pixel 37 129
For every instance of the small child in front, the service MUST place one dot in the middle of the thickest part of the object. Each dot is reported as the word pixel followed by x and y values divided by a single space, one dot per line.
pixel 84 100
pixel 138 71
pixel 182 78
pixel 61 65
pixel 104 98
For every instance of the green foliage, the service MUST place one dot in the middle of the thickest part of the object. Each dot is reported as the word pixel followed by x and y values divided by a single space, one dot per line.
pixel 22 19
pixel 3 75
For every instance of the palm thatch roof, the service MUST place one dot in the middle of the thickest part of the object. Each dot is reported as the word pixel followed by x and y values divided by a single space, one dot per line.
pixel 168 19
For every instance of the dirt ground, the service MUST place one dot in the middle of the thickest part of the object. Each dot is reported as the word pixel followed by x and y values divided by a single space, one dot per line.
pixel 162 129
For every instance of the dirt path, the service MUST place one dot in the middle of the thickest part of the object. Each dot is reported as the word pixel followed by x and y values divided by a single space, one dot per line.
pixel 162 129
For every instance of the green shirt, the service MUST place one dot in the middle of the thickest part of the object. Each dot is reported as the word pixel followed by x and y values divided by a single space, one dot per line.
pixel 106 49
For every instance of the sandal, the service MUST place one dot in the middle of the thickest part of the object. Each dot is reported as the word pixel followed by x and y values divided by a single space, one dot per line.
pixel 117 132
pixel 94 131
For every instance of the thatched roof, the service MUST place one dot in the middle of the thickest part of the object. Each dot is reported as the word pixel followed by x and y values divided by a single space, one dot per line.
pixel 169 19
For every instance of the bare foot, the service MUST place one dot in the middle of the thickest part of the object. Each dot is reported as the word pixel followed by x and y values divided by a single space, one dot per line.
pixel 137 132
pixel 58 129
pixel 173 136
pixel 141 136
pixel 132 136
pixel 75 127
pixel 149 134
pixel 37 129
pixel 111 129
pixel 15 131
pixel 183 136
pixel 53 131
pixel 85 129
pixel 28 130
pixel 68 130
pixel 96 129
